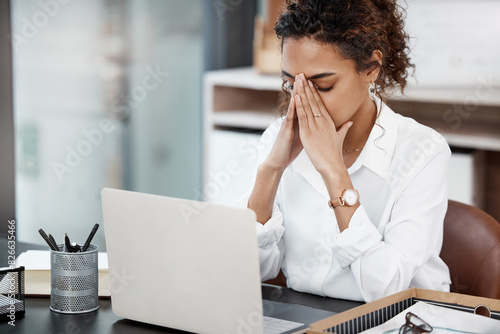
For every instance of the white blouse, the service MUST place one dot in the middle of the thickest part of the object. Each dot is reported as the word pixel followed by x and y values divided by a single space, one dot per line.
pixel 394 238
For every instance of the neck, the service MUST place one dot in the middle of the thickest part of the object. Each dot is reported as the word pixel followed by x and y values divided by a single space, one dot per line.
pixel 363 121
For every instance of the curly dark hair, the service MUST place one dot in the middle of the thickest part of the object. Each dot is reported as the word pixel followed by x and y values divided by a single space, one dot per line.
pixel 356 28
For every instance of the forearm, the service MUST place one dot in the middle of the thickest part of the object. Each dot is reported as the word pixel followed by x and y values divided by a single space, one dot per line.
pixel 264 192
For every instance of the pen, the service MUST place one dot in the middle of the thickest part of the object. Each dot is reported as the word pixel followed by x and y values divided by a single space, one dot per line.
pixel 89 239
pixel 76 247
pixel 53 241
pixel 46 238
pixel 67 244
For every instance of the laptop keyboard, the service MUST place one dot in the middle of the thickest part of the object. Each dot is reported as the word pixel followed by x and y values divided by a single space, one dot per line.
pixel 278 326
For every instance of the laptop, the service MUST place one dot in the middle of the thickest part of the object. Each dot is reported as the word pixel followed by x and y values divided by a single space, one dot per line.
pixel 186 265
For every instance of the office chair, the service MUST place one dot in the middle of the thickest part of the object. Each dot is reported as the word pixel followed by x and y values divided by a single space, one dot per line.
pixel 279 280
pixel 471 249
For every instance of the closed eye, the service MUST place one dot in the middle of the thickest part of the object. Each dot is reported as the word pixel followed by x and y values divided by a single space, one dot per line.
pixel 324 89
pixel 289 87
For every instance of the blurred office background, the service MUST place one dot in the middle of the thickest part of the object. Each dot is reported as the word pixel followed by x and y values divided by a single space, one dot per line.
pixel 107 93
pixel 147 95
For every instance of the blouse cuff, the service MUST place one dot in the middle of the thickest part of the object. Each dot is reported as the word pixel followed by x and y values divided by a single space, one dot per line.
pixel 272 231
pixel 360 236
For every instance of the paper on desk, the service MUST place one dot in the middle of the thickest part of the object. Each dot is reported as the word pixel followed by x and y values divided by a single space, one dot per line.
pixel 442 319
pixel 40 260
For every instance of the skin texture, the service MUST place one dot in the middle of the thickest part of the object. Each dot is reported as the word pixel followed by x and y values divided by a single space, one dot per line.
pixel 347 116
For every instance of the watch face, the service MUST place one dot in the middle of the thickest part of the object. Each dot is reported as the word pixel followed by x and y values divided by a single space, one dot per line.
pixel 350 197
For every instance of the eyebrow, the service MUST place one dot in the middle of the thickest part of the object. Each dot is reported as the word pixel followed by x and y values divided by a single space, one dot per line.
pixel 316 76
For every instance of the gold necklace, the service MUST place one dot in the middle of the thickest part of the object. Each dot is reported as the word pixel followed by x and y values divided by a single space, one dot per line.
pixel 353 151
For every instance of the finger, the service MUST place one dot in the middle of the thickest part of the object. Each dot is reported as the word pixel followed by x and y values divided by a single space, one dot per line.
pixel 308 90
pixel 319 101
pixel 296 121
pixel 290 113
pixel 301 85
pixel 292 108
pixel 342 132
pixel 288 124
pixel 301 113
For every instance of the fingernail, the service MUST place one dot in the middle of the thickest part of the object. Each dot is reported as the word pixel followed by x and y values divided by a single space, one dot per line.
pixel 301 83
pixel 310 83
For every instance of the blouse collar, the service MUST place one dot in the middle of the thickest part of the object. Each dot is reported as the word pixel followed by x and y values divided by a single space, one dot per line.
pixel 379 148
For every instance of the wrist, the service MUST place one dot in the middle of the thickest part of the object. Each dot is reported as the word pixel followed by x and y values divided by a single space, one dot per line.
pixel 270 171
pixel 335 176
pixel 337 182
pixel 268 167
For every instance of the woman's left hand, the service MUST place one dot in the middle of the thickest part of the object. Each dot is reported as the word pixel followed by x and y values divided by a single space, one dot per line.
pixel 321 140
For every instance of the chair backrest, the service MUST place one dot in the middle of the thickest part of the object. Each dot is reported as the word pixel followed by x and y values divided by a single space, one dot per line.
pixel 280 280
pixel 471 249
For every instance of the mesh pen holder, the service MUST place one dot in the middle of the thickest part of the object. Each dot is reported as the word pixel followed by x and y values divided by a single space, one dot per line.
pixel 12 294
pixel 74 281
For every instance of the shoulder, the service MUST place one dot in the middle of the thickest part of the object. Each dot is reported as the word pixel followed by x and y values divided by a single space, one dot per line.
pixel 418 140
pixel 417 150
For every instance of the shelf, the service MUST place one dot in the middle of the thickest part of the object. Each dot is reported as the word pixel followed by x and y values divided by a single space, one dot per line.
pixel 477 141
pixel 244 77
pixel 256 120
pixel 480 95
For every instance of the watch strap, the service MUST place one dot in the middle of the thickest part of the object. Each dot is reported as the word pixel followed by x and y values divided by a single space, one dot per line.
pixel 339 201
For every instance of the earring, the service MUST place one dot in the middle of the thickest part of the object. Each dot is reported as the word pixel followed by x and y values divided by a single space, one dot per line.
pixel 372 90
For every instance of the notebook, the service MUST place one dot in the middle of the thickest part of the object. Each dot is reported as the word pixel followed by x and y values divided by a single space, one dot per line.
pixel 185 265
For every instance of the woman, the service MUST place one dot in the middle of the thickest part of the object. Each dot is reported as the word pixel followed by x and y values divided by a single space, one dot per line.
pixel 350 197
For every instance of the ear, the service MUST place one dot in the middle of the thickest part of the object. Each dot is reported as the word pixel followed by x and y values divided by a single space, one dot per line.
pixel 372 73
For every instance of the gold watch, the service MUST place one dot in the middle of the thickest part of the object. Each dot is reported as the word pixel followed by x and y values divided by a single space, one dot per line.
pixel 350 197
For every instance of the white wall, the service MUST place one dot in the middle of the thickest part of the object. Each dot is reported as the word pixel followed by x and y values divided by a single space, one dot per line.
pixel 454 43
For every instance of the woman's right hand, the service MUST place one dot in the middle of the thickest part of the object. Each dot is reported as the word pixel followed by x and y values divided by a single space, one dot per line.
pixel 286 148
pixel 287 145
